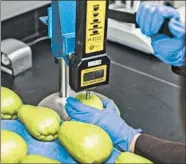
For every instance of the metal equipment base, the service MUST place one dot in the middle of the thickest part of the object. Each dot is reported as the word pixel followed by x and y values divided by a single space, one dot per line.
pixel 57 103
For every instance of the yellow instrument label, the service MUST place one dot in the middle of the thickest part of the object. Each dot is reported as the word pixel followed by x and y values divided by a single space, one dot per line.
pixel 91 72
pixel 95 25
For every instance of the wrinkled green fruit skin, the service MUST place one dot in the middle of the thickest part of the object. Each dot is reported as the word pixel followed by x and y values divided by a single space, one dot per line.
pixel 128 157
pixel 87 143
pixel 13 147
pixel 42 123
pixel 37 159
pixel 94 101
pixel 10 104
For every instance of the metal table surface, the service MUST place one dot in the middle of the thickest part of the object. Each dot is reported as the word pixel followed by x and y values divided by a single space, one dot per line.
pixel 145 90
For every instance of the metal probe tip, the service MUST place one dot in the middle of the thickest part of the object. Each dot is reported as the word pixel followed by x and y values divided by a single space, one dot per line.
pixel 87 95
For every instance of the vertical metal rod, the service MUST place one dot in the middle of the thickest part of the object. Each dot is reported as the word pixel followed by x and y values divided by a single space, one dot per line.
pixel 63 79
pixel 87 95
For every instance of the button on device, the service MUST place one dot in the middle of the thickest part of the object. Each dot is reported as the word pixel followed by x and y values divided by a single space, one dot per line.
pixel 89 76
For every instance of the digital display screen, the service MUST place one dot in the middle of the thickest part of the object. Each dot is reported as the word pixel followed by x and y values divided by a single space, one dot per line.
pixel 93 75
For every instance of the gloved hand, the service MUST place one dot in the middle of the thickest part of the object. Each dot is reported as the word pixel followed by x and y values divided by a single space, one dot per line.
pixel 150 18
pixel 108 119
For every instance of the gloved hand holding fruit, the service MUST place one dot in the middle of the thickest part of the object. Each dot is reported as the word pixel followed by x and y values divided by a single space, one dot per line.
pixel 108 119
pixel 80 109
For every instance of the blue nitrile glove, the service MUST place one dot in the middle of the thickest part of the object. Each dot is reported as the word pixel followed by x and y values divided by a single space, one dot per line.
pixel 150 19
pixel 108 119
pixel 171 50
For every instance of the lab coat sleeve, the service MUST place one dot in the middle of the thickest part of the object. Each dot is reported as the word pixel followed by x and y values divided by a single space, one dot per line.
pixel 160 151
pixel 179 70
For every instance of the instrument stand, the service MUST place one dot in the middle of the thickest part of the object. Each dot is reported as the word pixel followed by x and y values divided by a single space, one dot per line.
pixel 57 101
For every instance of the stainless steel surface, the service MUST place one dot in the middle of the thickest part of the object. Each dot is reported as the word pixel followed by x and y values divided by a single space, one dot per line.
pixel 16 56
pixel 87 95
pixel 64 87
pixel 57 103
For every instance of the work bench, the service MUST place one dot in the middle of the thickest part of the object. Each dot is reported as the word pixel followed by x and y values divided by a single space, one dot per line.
pixel 145 90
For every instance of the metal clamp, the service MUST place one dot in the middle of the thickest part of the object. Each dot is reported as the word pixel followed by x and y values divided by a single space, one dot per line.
pixel 16 56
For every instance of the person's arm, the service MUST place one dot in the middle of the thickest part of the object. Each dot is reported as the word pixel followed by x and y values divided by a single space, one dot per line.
pixel 179 70
pixel 158 150
pixel 123 136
